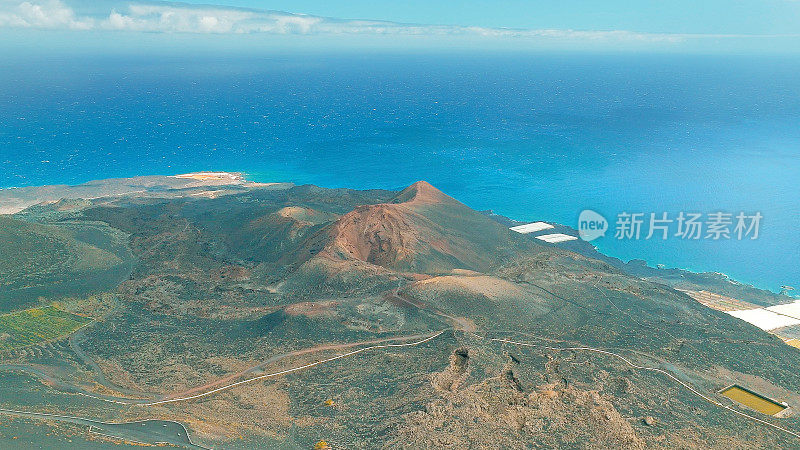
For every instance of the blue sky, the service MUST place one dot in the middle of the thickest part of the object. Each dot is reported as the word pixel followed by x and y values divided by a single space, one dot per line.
pixel 751 26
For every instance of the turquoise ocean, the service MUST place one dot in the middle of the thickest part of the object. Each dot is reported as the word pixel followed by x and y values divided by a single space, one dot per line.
pixel 529 136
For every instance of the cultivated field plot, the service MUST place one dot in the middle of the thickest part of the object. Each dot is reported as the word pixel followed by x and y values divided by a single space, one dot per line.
pixel 719 302
pixel 32 326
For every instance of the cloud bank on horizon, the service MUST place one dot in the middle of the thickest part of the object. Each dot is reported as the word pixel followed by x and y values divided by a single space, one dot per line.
pixel 165 17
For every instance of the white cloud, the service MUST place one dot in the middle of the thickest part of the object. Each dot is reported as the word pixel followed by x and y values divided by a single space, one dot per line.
pixel 293 23
pixel 177 19
pixel 49 14
pixel 184 18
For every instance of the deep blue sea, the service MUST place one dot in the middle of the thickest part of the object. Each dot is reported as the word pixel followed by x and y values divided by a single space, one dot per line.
pixel 530 136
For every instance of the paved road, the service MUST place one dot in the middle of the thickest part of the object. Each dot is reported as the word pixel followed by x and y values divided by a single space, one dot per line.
pixel 100 377
pixel 149 432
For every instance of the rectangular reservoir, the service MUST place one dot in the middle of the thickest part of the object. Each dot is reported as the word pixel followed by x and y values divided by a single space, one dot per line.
pixel 752 400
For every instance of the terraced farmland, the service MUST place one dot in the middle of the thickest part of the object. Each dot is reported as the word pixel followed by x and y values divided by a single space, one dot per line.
pixel 32 326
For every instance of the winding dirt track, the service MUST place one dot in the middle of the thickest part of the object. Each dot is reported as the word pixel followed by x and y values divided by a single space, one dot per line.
pixel 275 358
pixel 429 337
pixel 192 393
pixel 460 324
pixel 100 377
pixel 178 397
pixel 261 377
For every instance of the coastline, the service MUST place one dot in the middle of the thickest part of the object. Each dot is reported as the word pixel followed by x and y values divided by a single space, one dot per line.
pixel 211 183
pixel 14 200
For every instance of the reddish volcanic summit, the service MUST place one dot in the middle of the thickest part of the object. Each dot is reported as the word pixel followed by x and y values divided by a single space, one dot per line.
pixel 419 230
pixel 423 193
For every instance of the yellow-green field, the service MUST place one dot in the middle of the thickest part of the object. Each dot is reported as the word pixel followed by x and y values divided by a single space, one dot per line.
pixel 753 400
pixel 29 327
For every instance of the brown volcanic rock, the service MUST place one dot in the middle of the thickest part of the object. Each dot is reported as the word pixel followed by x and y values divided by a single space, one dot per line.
pixel 420 230
pixel 455 373
pixel 494 413
pixel 385 235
